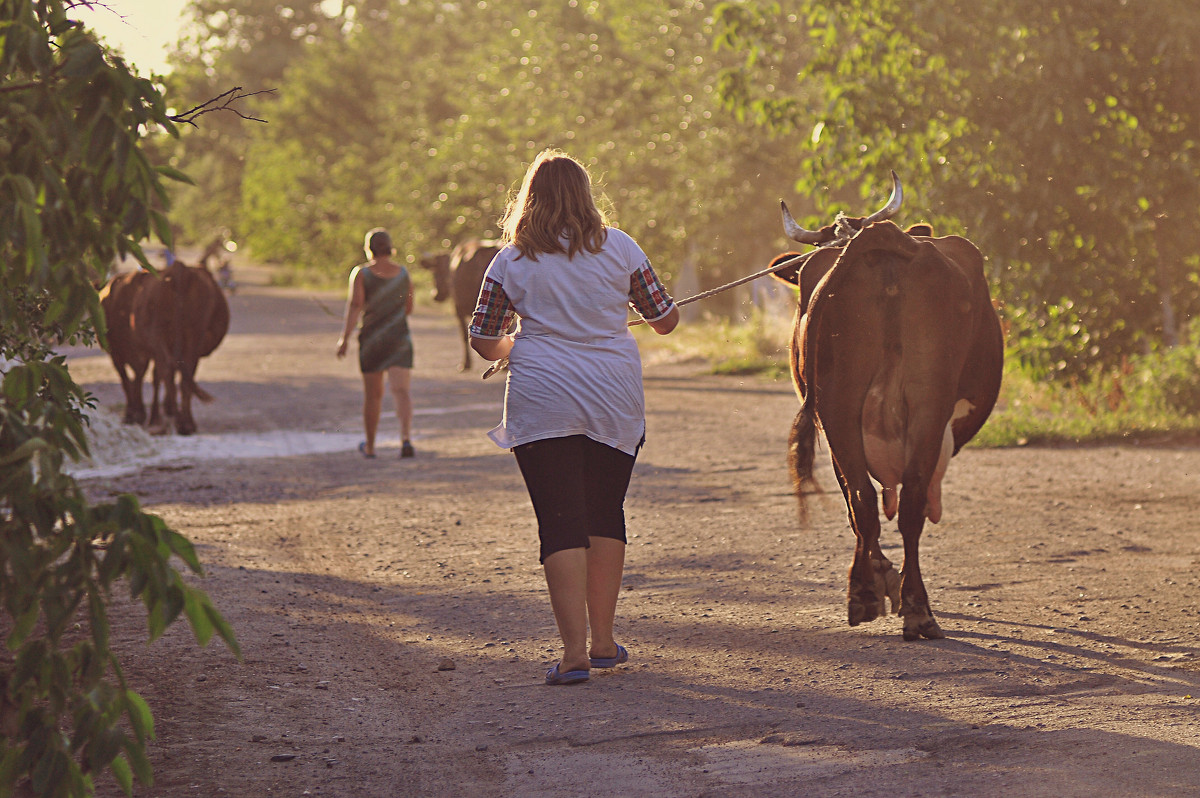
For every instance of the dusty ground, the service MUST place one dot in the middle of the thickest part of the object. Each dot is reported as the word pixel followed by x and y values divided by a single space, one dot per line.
pixel 395 625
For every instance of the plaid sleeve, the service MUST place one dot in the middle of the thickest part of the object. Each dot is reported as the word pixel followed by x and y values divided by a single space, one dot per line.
pixel 647 294
pixel 494 311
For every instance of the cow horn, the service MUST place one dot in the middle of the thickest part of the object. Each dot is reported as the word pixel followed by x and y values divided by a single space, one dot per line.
pixel 893 203
pixel 795 231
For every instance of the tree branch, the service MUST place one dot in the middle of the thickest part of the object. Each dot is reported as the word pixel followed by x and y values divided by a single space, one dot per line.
pixel 222 102
pixel 32 84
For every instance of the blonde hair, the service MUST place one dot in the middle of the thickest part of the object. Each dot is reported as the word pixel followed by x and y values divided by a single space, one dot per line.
pixel 555 200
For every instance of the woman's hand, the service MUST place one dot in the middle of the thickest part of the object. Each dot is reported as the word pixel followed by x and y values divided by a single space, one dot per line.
pixel 341 349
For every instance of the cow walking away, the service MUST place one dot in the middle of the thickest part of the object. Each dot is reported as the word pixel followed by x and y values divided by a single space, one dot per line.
pixel 171 320
pixel 459 275
pixel 897 355
pixel 128 358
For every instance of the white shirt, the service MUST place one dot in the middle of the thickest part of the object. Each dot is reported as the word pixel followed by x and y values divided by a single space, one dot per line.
pixel 574 368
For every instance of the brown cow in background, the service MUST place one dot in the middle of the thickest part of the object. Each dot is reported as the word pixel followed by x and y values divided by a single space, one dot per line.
pixel 172 319
pixel 459 275
pixel 897 355
pixel 128 358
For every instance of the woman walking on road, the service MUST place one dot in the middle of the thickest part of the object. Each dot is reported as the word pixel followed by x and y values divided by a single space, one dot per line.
pixel 381 292
pixel 574 409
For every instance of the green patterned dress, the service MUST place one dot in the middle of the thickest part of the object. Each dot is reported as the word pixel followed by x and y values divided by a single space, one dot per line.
pixel 384 340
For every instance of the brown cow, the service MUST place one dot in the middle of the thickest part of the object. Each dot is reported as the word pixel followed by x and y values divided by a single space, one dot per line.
pixel 459 275
pixel 129 359
pixel 897 354
pixel 172 319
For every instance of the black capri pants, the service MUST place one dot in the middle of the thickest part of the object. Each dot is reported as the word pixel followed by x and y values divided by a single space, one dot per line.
pixel 577 487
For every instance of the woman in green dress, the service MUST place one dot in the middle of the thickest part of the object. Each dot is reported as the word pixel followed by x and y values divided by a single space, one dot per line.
pixel 381 292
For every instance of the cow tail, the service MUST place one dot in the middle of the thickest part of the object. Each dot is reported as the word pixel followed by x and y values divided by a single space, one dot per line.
pixel 197 391
pixel 802 440
pixel 801 446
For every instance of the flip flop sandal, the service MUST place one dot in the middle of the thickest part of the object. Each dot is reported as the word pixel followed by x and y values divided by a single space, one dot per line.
pixel 362 448
pixel 611 662
pixel 553 677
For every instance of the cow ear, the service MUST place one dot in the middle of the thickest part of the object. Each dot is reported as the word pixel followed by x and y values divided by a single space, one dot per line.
pixel 920 230
pixel 790 275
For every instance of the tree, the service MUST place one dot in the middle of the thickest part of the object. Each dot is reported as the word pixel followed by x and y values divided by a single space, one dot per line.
pixel 76 189
pixel 252 43
pixel 451 101
pixel 1059 136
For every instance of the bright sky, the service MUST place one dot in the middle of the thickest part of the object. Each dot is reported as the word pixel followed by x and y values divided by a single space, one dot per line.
pixel 143 30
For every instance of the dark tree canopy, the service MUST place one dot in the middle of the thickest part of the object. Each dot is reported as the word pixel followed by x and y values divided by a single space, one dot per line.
pixel 1060 136
pixel 77 187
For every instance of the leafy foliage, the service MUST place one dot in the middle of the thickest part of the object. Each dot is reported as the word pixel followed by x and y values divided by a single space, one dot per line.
pixel 76 189
pixel 1060 136
pixel 420 117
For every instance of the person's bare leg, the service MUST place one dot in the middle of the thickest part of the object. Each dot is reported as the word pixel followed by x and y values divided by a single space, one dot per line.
pixel 400 381
pixel 605 564
pixel 567 578
pixel 372 406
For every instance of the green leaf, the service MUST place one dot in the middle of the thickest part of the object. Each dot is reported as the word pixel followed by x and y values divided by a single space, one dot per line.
pixel 141 765
pixel 174 174
pixel 183 548
pixel 140 717
pixel 83 61
pixel 24 188
pixel 223 628
pixel 156 621
pixel 8 766
pixel 202 626
pixel 162 227
pixel 123 774
pixel 50 771
pixel 22 627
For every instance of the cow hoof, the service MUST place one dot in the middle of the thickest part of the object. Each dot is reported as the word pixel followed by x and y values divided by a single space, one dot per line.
pixel 928 629
pixel 887 583
pixel 858 612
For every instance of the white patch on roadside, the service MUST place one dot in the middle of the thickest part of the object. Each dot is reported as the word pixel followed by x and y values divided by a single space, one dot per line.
pixel 119 449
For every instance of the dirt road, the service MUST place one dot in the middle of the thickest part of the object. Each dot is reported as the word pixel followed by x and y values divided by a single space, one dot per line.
pixel 396 629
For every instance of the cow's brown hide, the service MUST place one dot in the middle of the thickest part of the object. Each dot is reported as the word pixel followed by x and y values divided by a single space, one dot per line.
pixel 459 275
pixel 897 354
pixel 171 319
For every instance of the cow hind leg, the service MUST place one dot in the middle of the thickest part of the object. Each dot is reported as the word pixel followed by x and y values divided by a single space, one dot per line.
pixel 887 579
pixel 868 582
pixel 867 589
pixel 185 423
pixel 868 598
pixel 914 601
pixel 159 414
pixel 135 406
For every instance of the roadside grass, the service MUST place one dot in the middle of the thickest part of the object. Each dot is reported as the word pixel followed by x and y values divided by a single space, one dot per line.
pixel 756 345
pixel 1151 398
